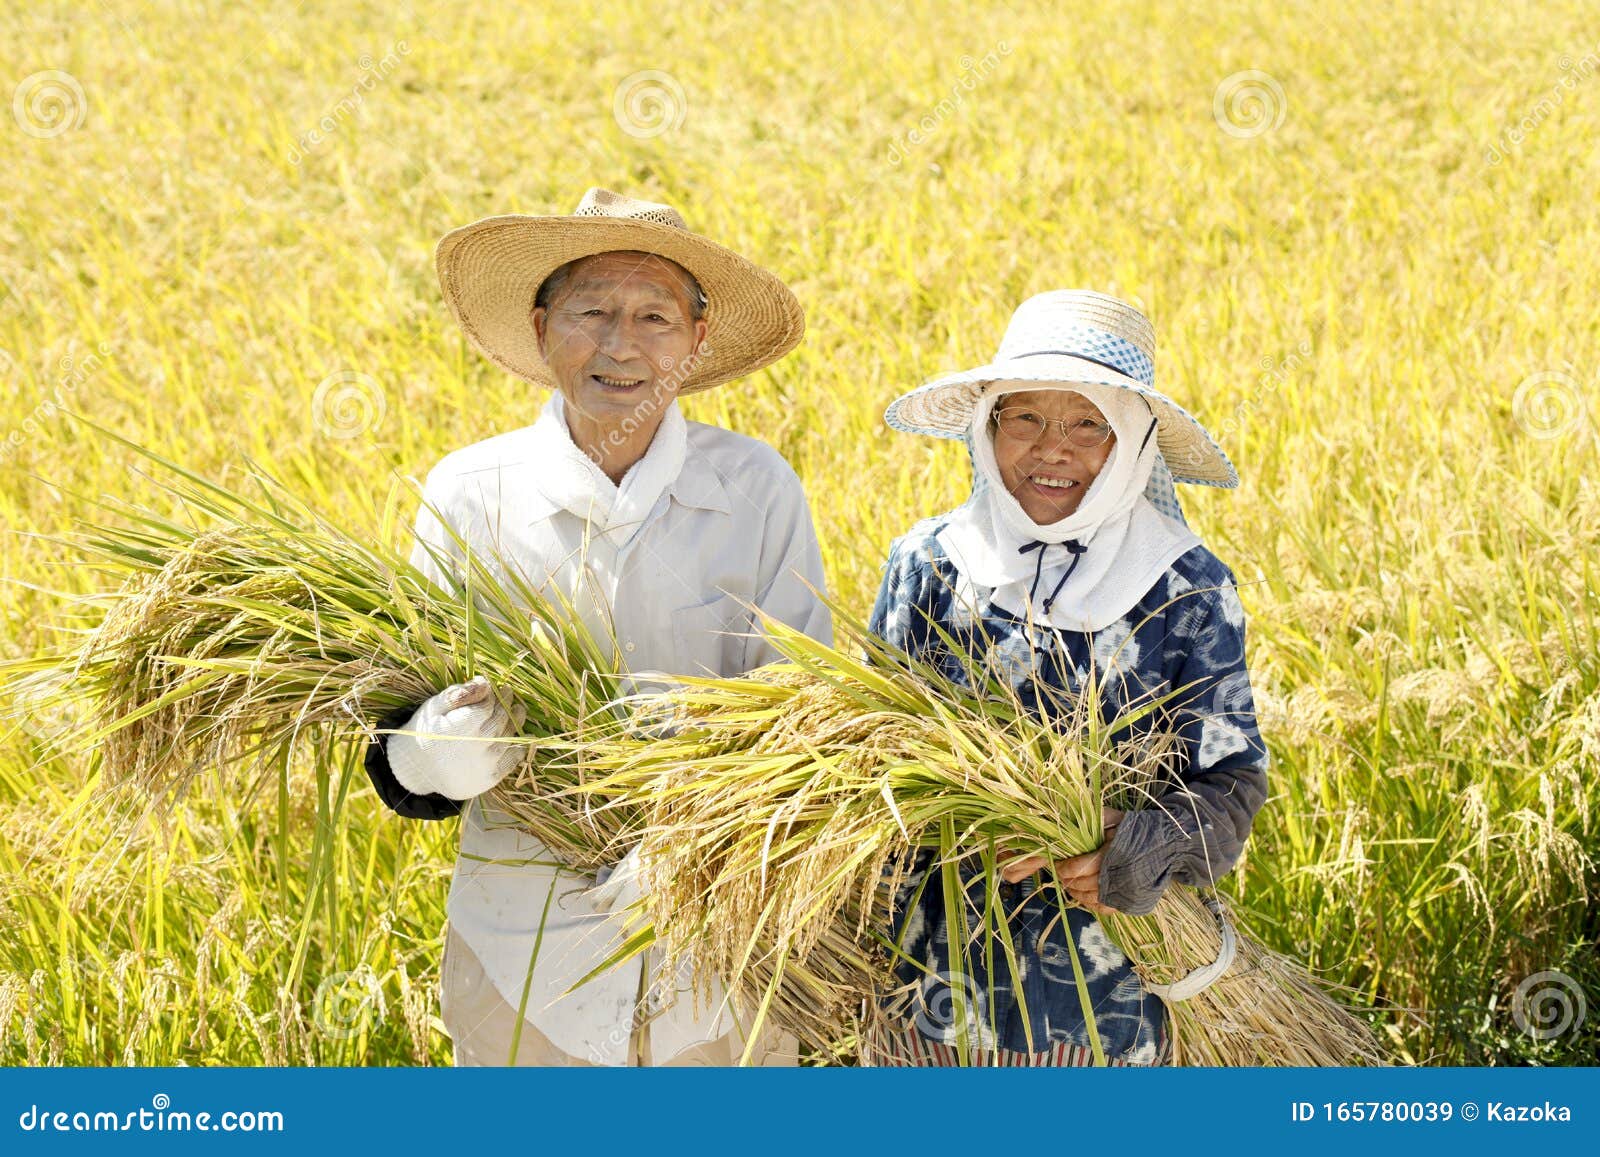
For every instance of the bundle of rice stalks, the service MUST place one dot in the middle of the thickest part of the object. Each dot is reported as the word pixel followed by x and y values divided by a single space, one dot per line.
pixel 777 810
pixel 780 819
pixel 271 630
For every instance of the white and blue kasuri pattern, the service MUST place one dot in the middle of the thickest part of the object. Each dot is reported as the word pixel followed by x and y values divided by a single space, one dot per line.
pixel 1188 629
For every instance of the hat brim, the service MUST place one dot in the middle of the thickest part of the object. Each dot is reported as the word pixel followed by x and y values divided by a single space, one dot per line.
pixel 943 408
pixel 490 270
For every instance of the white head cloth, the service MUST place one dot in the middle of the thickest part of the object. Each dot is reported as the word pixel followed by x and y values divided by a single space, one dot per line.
pixel 1111 550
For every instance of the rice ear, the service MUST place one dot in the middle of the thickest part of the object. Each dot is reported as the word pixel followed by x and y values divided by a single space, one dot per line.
pixel 778 811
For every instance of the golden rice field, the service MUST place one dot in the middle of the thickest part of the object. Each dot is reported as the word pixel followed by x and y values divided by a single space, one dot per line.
pixel 1367 241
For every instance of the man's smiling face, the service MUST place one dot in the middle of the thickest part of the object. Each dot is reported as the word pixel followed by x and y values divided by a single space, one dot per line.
pixel 616 335
pixel 1044 470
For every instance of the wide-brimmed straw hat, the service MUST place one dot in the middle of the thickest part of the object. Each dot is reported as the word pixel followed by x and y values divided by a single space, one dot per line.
pixel 1066 336
pixel 491 269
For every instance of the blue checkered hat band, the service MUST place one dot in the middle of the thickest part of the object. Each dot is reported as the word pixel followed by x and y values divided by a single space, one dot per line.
pixel 1046 335
pixel 1092 345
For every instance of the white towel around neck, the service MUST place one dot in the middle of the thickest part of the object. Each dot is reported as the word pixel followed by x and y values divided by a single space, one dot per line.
pixel 1129 543
pixel 574 481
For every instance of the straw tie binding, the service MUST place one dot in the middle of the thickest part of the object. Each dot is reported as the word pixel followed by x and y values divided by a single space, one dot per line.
pixel 1197 980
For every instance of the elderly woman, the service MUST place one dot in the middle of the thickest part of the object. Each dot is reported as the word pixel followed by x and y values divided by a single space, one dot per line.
pixel 659 530
pixel 1071 557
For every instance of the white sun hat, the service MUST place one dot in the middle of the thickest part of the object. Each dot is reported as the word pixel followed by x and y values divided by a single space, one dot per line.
pixel 1065 336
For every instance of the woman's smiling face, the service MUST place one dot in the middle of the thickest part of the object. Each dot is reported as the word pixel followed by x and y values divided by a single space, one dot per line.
pixel 1045 471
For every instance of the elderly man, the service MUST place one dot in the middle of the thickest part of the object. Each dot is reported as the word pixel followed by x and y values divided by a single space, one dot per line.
pixel 662 532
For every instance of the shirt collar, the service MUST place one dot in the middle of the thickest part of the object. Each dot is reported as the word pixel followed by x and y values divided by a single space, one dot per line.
pixel 698 484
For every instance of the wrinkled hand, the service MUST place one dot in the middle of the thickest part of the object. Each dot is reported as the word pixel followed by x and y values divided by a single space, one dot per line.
pixel 1079 875
pixel 451 752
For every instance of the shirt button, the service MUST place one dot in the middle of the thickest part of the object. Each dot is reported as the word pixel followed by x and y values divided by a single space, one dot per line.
pixel 629 646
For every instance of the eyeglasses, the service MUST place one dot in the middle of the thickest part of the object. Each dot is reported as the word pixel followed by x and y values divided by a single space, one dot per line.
pixel 1027 425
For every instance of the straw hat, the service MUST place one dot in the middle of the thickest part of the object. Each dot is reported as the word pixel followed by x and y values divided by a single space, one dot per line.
pixel 1065 336
pixel 491 269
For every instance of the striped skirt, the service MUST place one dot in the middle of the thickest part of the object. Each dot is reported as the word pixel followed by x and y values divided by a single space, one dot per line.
pixel 883 1047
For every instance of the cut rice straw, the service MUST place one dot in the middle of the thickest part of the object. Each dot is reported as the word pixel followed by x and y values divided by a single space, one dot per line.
pixel 779 810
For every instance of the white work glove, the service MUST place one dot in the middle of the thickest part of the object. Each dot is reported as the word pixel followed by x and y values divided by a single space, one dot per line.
pixel 450 754
pixel 623 882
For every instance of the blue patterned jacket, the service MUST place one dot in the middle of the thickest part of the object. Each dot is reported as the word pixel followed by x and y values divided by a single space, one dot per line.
pixel 1188 628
